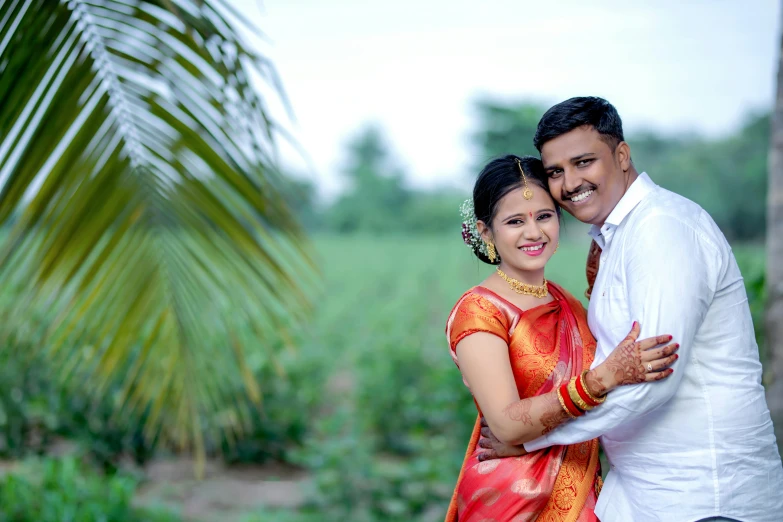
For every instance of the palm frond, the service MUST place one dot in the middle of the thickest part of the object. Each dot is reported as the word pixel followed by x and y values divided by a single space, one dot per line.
pixel 138 184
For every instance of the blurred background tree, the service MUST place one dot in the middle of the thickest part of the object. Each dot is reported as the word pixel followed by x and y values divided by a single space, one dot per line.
pixel 705 171
pixel 375 194
pixel 377 200
pixel 502 126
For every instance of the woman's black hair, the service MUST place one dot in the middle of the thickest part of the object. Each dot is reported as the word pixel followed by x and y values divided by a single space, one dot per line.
pixel 499 177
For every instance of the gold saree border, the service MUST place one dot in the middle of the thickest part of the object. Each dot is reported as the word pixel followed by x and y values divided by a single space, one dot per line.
pixel 573 484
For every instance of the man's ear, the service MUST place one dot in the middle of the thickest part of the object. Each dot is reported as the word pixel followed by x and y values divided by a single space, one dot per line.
pixel 623 155
pixel 484 231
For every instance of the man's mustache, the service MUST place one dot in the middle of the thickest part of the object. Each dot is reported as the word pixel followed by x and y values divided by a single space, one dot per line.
pixel 577 190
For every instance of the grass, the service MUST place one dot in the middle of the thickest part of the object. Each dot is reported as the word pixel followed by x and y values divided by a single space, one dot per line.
pixel 365 276
pixel 391 272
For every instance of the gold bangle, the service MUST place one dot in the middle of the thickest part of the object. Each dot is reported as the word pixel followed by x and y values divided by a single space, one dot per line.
pixel 574 394
pixel 599 400
pixel 562 403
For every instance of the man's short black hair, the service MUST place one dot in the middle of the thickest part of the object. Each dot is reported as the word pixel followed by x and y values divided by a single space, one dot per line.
pixel 578 112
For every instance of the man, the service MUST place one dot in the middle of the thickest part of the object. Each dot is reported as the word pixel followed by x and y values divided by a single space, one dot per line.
pixel 699 444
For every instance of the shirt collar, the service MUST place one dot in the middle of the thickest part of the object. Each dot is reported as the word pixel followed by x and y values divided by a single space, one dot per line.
pixel 638 190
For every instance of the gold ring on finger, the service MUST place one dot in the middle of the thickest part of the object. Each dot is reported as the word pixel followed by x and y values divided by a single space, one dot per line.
pixel 649 367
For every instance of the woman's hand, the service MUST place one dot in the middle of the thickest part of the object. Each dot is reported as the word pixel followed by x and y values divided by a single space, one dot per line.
pixel 495 449
pixel 633 362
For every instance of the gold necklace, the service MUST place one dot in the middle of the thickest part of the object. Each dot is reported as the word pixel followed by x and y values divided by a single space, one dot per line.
pixel 539 291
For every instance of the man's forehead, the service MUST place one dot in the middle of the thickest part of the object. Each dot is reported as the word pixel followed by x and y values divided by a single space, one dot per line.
pixel 580 141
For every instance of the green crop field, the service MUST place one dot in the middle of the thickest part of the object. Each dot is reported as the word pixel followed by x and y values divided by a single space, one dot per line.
pixel 378 288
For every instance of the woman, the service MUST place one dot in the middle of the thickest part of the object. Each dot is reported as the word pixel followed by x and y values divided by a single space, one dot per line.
pixel 523 347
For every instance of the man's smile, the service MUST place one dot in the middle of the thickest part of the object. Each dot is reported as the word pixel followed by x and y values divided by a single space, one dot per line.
pixel 581 197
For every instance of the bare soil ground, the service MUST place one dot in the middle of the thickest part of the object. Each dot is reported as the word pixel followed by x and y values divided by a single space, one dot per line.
pixel 226 493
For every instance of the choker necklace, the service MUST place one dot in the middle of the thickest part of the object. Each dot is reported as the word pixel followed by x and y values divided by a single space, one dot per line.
pixel 539 291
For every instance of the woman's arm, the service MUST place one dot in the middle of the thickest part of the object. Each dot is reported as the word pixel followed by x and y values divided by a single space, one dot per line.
pixel 484 362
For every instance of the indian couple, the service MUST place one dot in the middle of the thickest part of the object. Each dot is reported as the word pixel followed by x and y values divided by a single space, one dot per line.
pixel 680 414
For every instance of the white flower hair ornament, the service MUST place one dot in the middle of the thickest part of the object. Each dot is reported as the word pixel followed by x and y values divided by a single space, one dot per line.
pixel 470 233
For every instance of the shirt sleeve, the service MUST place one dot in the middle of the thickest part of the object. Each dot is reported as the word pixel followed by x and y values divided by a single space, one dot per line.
pixel 671 273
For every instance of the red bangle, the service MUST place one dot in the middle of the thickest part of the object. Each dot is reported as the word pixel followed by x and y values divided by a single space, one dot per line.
pixel 584 395
pixel 569 404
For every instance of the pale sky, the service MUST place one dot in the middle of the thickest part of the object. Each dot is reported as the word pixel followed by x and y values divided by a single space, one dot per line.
pixel 413 68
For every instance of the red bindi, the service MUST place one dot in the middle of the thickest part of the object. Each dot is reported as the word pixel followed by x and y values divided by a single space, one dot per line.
pixel 531 214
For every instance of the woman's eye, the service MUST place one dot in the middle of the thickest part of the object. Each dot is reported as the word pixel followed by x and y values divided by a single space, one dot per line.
pixel 544 217
pixel 515 222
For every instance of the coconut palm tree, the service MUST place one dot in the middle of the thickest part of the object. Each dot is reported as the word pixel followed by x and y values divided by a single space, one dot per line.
pixel 140 207
pixel 774 315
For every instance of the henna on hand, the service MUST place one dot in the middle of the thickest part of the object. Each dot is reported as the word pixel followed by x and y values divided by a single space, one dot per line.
pixel 595 384
pixel 553 415
pixel 520 411
pixel 626 363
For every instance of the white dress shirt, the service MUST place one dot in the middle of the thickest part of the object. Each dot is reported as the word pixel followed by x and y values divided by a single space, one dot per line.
pixel 699 443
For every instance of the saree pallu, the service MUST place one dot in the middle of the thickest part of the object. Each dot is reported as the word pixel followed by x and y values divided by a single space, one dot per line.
pixel 548 344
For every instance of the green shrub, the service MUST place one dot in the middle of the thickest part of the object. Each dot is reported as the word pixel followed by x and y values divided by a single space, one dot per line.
pixel 63 490
pixel 291 392
pixel 36 407
pixel 752 265
pixel 285 516
pixel 396 419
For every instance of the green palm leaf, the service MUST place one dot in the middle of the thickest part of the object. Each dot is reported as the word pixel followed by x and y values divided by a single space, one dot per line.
pixel 138 182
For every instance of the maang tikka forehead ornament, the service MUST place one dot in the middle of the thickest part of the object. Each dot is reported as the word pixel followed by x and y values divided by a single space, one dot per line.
pixel 527 193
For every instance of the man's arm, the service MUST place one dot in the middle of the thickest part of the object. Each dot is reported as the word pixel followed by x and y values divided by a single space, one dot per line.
pixel 669 289
pixel 484 362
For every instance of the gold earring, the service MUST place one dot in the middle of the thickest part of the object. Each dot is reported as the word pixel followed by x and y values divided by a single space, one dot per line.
pixel 491 254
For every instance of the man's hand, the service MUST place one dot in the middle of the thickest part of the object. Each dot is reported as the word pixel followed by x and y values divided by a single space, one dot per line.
pixel 494 449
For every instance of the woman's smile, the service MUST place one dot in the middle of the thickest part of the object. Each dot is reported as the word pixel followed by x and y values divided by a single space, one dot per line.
pixel 533 249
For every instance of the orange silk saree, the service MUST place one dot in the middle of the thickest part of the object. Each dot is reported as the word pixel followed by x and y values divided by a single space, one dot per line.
pixel 548 344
